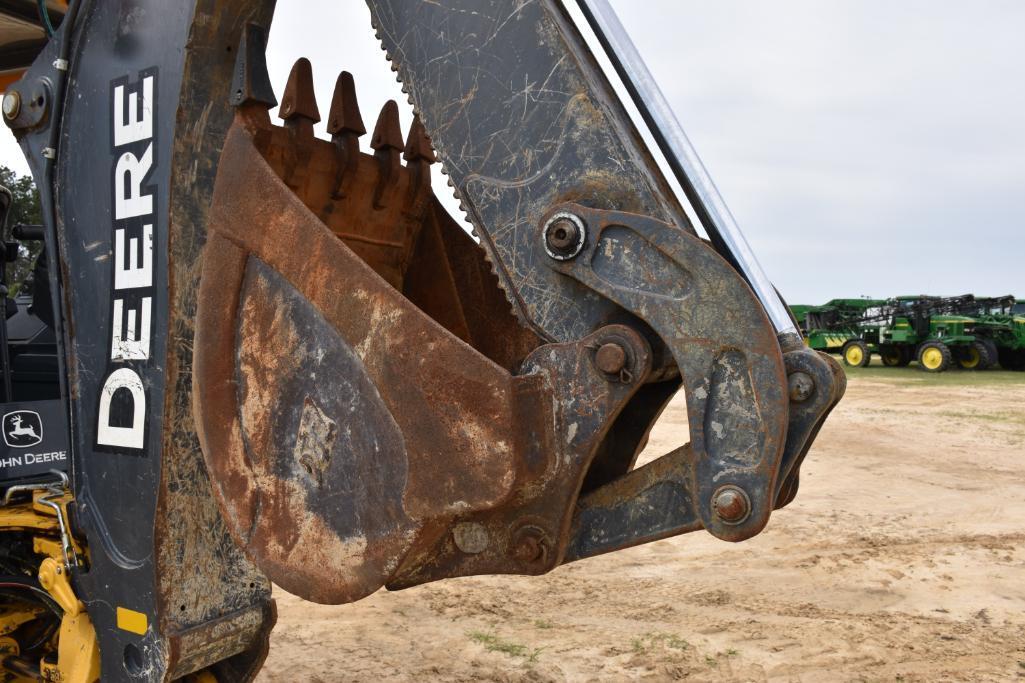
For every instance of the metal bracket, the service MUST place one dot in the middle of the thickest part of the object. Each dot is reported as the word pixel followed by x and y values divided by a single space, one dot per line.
pixel 723 344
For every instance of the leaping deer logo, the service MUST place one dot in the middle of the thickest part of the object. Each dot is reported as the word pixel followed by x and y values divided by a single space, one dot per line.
pixel 22 429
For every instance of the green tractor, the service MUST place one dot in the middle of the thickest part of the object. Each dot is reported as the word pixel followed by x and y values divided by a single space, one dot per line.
pixel 849 327
pixel 1001 321
pixel 935 331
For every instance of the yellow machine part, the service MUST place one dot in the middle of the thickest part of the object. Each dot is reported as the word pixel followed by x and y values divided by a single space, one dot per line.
pixel 78 654
pixel 25 517
pixel 77 648
pixel 11 619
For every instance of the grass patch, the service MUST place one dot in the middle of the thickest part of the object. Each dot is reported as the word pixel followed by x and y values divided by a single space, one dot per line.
pixel 951 378
pixel 492 642
pixel 648 641
pixel 1001 417
pixel 713 660
pixel 543 624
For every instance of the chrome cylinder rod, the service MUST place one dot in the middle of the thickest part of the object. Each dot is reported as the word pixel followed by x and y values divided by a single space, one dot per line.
pixel 697 184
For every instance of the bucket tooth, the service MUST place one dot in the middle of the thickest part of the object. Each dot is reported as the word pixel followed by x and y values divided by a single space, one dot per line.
pixel 419 155
pixel 345 124
pixel 251 86
pixel 418 145
pixel 387 145
pixel 299 101
pixel 345 116
pixel 299 111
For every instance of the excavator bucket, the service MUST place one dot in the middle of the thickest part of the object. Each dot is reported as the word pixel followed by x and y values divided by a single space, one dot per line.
pixel 277 358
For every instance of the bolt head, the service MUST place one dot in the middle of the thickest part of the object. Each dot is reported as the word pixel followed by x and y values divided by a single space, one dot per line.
pixel 12 104
pixel 564 236
pixel 529 545
pixel 731 504
pixel 610 358
pixel 528 550
pixel 801 386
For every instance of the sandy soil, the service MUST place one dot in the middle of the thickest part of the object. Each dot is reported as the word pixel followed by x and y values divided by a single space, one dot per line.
pixel 903 558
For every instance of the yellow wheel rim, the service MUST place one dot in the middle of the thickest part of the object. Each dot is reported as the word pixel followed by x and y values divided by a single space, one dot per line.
pixel 932 358
pixel 972 360
pixel 855 355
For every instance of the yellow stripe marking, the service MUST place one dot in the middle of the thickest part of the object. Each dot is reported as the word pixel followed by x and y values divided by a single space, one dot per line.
pixel 132 621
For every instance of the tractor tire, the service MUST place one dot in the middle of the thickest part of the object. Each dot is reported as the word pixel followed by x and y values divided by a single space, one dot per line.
pixel 1012 359
pixel 856 354
pixel 976 356
pixel 934 357
pixel 994 354
pixel 895 356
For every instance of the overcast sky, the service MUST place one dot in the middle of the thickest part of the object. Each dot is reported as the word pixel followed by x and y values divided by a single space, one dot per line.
pixel 866 147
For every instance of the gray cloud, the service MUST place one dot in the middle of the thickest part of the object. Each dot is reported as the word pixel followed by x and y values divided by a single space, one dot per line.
pixel 865 146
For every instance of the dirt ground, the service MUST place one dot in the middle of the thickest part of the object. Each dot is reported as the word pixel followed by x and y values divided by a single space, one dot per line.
pixel 902 559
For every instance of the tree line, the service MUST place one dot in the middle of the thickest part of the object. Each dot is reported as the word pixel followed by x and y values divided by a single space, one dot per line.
pixel 24 209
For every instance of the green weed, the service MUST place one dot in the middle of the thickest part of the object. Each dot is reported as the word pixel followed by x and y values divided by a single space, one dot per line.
pixel 644 643
pixel 495 643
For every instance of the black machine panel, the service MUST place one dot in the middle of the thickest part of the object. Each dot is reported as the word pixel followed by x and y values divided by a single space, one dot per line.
pixel 33 439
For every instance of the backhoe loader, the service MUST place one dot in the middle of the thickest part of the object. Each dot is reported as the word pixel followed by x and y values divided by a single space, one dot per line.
pixel 277 359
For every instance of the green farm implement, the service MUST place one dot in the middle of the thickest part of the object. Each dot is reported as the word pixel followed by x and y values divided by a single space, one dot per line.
pixel 842 326
pixel 1001 322
pixel 936 331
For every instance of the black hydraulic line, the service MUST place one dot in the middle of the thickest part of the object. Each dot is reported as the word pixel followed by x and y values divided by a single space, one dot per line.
pixel 26 232
pixel 44 17
pixel 32 586
pixel 20 666
pixel 5 359
pixel 47 634
pixel 50 159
